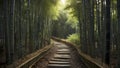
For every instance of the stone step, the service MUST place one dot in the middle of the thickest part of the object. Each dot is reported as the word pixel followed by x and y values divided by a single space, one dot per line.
pixel 61 52
pixel 57 43
pixel 62 45
pixel 62 60
pixel 61 56
pixel 59 65
pixel 59 62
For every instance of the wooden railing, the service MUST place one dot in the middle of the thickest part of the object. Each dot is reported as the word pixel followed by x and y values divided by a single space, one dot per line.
pixel 27 63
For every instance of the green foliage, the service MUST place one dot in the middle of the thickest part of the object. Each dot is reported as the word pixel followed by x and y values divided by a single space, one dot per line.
pixel 72 20
pixel 74 6
pixel 72 13
pixel 50 8
pixel 74 38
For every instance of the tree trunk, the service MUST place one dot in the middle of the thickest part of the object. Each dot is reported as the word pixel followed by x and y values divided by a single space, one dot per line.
pixel 118 35
pixel 108 29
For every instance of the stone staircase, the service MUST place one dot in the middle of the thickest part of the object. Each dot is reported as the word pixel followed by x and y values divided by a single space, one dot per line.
pixel 62 57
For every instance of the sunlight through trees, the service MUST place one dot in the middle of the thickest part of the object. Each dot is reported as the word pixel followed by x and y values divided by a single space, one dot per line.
pixel 63 2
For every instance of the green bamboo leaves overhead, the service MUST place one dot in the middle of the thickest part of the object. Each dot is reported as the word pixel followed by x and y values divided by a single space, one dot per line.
pixel 48 7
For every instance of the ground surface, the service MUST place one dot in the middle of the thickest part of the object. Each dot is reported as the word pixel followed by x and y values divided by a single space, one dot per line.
pixel 75 61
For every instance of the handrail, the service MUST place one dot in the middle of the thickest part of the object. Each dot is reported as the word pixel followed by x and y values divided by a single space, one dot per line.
pixel 29 60
pixel 26 63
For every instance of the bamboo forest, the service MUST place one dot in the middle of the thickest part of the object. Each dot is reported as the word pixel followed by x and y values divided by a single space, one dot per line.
pixel 59 33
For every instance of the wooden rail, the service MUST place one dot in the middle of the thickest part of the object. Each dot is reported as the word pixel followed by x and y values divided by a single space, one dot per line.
pixel 31 60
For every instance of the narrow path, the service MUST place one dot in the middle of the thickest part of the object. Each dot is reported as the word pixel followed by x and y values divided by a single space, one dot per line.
pixel 60 56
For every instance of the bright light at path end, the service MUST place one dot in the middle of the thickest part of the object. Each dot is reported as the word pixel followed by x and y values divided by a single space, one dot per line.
pixel 63 1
